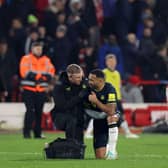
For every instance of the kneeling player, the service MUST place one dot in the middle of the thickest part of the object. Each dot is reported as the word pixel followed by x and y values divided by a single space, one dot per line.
pixel 103 99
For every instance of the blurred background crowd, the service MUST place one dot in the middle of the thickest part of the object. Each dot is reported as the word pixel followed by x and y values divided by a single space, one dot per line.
pixel 84 32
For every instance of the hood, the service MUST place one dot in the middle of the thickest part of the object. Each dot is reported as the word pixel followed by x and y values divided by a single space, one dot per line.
pixel 63 77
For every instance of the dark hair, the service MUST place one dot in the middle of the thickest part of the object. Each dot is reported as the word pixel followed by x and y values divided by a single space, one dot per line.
pixel 98 72
pixel 33 30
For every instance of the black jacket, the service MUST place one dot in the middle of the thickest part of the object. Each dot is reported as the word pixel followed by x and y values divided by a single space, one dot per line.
pixel 68 97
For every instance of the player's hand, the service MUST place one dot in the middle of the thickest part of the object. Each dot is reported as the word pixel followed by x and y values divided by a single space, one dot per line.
pixel 113 118
pixel 93 98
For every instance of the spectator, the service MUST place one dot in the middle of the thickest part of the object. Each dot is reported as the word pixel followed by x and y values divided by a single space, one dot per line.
pixel 76 7
pixel 145 20
pixel 157 70
pixel 92 17
pixel 84 20
pixel 20 8
pixel 50 16
pixel 60 49
pixel 124 18
pixel 147 47
pixel 4 22
pixel 160 64
pixel 139 8
pixel 40 7
pixel 8 68
pixel 32 37
pixel 77 30
pixel 161 13
pixel 113 77
pixel 131 53
pixel 32 21
pixel 43 38
pixel 131 92
pixel 87 58
pixel 17 37
pixel 111 46
pixel 146 43
pixel 61 18
pixel 109 9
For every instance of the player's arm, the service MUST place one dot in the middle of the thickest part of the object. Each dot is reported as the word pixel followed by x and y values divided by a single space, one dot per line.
pixel 108 108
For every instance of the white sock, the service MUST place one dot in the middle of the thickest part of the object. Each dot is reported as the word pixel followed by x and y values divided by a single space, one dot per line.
pixel 113 137
pixel 124 126
pixel 89 128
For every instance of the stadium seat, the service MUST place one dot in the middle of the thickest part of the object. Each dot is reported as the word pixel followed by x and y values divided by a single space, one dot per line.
pixel 157 108
pixel 142 117
pixel 128 116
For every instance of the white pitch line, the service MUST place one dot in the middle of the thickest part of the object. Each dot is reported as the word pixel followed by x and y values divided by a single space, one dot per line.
pixel 120 156
pixel 19 153
pixel 146 156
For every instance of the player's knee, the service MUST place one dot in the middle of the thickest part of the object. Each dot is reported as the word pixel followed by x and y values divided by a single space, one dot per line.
pixel 100 155
pixel 113 118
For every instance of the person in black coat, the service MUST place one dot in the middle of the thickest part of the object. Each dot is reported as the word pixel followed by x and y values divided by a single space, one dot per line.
pixel 68 94
pixel 59 49
pixel 158 71
pixel 8 68
pixel 131 53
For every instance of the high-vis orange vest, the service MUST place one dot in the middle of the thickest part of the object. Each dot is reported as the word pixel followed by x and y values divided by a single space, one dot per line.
pixel 40 66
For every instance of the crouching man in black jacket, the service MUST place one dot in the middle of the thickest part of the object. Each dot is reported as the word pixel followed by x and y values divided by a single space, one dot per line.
pixel 68 96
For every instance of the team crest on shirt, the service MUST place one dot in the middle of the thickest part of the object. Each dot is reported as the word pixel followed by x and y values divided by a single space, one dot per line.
pixel 102 97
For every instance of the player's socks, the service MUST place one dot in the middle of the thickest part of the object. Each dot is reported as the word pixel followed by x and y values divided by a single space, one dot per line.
pixel 128 134
pixel 113 137
pixel 124 126
pixel 89 131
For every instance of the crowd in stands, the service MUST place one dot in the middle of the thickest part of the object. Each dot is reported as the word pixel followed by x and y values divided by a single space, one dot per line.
pixel 84 32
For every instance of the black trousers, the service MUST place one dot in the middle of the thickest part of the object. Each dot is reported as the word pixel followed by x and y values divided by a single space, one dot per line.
pixel 34 102
pixel 71 124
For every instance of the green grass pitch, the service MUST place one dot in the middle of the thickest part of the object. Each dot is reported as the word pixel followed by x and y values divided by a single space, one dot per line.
pixel 146 152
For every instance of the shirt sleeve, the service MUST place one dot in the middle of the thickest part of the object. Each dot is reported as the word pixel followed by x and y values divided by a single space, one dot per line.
pixel 111 96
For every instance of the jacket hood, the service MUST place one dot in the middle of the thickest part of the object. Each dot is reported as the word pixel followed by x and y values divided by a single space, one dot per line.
pixel 64 77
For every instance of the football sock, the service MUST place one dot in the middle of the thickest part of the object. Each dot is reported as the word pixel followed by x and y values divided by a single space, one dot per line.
pixel 89 128
pixel 113 136
pixel 124 126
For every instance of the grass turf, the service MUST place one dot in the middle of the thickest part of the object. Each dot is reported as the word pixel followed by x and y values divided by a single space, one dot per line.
pixel 146 152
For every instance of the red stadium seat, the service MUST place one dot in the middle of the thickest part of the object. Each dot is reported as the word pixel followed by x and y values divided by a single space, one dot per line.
pixel 158 107
pixel 128 116
pixel 142 117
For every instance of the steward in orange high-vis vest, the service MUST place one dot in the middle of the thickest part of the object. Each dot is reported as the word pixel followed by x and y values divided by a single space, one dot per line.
pixel 36 72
